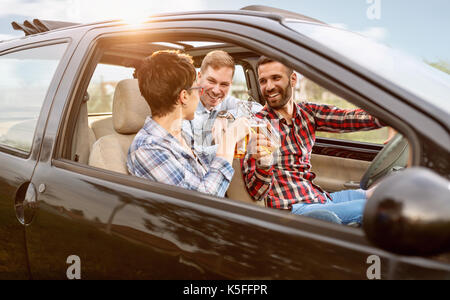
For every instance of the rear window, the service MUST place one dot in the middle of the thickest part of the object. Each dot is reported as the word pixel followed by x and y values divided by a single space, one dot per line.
pixel 24 81
pixel 102 86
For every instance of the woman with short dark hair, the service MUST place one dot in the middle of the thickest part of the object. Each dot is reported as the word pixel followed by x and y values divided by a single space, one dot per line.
pixel 159 151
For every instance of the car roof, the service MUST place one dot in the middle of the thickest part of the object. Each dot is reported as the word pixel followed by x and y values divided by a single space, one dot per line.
pixel 37 26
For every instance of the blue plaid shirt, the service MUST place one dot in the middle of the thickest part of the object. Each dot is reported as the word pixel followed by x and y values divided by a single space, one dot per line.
pixel 156 155
pixel 198 131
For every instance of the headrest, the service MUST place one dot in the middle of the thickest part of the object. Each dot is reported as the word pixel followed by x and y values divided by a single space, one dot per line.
pixel 129 107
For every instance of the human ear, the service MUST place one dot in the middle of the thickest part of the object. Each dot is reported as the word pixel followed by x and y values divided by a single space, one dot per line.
pixel 293 78
pixel 182 98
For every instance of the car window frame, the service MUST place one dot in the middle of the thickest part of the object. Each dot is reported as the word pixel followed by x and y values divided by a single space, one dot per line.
pixel 49 95
pixel 150 32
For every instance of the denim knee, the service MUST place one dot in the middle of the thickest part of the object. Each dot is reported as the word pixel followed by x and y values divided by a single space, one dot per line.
pixel 324 215
pixel 348 195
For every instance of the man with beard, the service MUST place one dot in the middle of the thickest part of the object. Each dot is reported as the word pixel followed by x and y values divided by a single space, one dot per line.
pixel 215 76
pixel 284 179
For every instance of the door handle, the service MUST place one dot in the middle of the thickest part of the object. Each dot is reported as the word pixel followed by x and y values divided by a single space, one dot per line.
pixel 26 203
pixel 352 185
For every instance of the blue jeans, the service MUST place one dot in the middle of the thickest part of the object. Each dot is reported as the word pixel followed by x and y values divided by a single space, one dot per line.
pixel 347 205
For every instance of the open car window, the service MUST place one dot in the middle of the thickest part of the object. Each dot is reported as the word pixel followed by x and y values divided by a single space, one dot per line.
pixel 308 91
pixel 239 87
pixel 111 131
pixel 102 86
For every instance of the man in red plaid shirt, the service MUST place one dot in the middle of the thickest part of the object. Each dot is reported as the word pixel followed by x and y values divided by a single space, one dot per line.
pixel 284 179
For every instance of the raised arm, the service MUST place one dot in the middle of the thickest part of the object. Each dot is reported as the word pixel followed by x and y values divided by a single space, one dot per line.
pixel 161 165
pixel 333 119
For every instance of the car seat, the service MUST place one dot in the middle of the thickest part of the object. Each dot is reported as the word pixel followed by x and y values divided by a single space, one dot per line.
pixel 237 189
pixel 129 113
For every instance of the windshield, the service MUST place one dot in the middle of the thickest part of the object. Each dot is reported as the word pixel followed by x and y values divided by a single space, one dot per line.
pixel 403 70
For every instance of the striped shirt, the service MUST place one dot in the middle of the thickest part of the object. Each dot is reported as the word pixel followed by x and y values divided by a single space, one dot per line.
pixel 289 179
pixel 156 155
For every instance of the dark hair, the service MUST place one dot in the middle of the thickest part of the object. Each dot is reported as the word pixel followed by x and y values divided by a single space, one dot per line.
pixel 265 60
pixel 162 76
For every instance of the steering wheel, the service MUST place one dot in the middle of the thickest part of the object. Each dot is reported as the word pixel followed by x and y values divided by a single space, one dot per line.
pixel 393 157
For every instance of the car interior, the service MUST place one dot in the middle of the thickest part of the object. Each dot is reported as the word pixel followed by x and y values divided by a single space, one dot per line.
pixel 112 111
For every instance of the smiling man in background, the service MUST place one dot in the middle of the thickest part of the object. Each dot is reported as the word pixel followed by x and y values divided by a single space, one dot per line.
pixel 216 77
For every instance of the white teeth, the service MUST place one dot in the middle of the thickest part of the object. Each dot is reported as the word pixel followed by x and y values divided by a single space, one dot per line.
pixel 214 98
pixel 274 95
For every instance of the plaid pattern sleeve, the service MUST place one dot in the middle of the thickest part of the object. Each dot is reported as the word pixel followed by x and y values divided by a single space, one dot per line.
pixel 161 165
pixel 160 158
pixel 258 180
pixel 332 119
pixel 156 164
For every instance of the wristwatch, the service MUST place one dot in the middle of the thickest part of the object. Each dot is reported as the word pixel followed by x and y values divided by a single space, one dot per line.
pixel 226 115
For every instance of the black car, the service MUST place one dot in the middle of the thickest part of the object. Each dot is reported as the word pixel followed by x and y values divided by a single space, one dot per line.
pixel 70 108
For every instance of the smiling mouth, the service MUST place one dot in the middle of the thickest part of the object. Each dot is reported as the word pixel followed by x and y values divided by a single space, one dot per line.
pixel 272 96
pixel 217 98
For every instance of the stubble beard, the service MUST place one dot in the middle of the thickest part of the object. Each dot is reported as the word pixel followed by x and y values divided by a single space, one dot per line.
pixel 286 93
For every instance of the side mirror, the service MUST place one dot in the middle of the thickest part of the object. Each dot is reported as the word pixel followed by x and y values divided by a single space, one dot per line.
pixel 409 213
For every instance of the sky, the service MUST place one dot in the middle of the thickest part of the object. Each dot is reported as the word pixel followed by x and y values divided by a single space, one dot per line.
pixel 418 27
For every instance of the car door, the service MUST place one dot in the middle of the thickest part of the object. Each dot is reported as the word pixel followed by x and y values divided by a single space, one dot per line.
pixel 29 73
pixel 104 224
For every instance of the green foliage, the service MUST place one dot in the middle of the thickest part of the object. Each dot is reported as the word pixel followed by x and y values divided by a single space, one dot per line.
pixel 442 65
